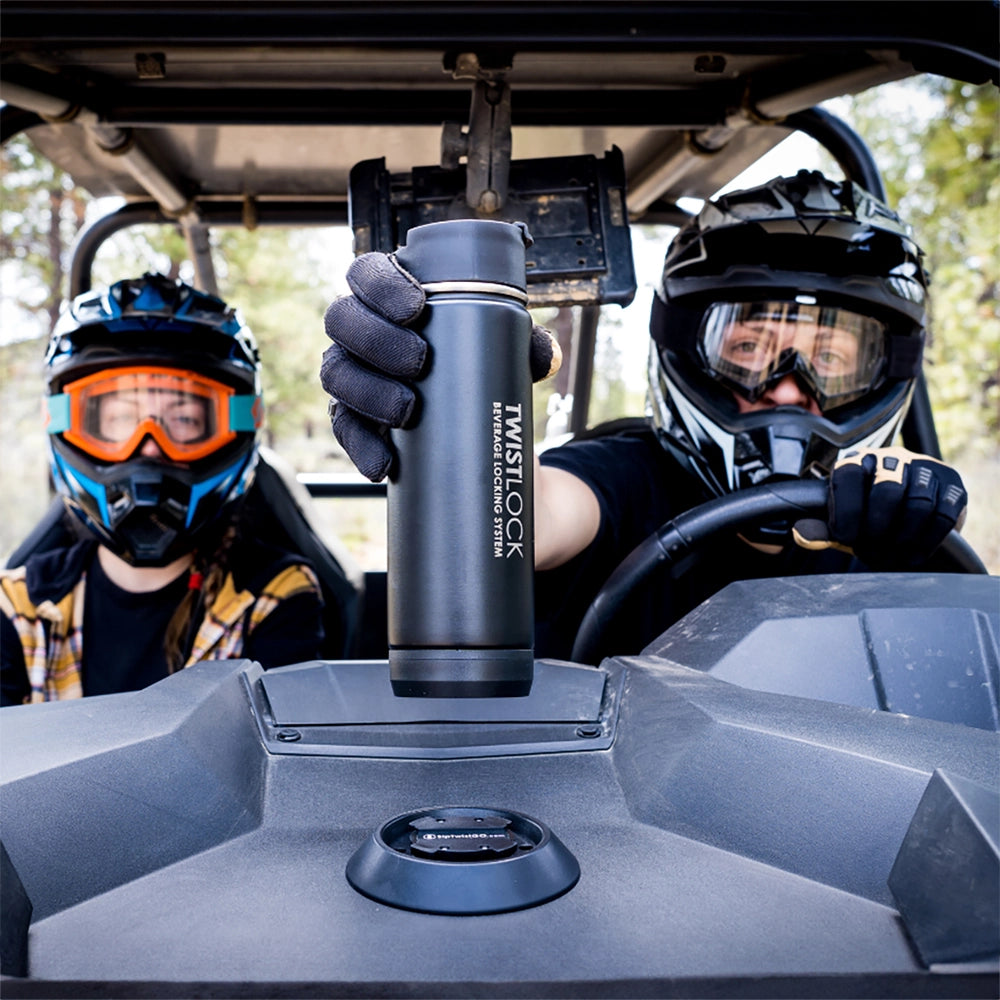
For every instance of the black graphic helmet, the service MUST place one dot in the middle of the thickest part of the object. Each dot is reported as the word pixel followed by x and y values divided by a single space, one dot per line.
pixel 804 277
pixel 154 407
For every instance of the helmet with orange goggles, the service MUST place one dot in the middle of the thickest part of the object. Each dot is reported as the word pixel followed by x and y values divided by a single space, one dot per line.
pixel 804 279
pixel 153 412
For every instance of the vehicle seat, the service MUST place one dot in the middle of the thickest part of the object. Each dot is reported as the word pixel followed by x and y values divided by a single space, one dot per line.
pixel 280 511
pixel 283 511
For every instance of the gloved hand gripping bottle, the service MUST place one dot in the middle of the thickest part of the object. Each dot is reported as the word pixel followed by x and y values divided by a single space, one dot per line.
pixel 460 521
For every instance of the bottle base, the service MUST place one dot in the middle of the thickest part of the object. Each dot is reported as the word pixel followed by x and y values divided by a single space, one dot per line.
pixel 461 673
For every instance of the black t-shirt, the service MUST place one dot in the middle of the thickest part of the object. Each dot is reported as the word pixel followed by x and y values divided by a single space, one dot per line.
pixel 640 487
pixel 128 656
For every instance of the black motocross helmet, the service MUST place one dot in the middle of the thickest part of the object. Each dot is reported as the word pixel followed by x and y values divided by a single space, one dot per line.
pixel 794 245
pixel 152 335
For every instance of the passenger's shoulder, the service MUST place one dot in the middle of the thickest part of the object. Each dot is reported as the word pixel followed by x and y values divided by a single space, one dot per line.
pixel 52 574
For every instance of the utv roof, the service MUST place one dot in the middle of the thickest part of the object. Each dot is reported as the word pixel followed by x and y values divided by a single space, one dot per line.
pixel 274 102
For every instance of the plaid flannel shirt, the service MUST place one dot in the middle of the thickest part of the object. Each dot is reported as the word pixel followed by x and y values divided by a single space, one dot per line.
pixel 51 632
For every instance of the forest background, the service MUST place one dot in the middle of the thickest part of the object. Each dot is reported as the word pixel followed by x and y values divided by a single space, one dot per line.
pixel 937 143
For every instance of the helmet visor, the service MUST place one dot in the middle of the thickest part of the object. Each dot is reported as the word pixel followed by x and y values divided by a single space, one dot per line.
pixel 111 412
pixel 750 346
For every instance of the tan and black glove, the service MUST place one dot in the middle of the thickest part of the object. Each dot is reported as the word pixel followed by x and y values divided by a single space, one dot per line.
pixel 888 506
pixel 374 358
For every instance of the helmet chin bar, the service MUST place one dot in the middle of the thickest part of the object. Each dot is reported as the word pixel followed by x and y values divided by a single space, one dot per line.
pixel 788 443
pixel 785 443
pixel 143 521
pixel 148 512
pixel 148 540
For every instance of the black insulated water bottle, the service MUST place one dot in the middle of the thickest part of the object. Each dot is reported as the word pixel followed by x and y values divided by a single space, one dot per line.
pixel 460 521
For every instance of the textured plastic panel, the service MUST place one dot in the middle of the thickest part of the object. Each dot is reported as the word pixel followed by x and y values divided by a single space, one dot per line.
pixel 730 842
pixel 111 789
pixel 946 880
pixel 347 708
pixel 917 644
pixel 358 692
pixel 15 920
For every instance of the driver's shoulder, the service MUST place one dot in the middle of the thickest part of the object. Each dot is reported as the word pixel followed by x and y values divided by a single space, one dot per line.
pixel 596 457
pixel 638 484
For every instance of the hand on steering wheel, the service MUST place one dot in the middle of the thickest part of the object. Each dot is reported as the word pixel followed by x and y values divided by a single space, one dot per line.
pixel 792 501
pixel 888 506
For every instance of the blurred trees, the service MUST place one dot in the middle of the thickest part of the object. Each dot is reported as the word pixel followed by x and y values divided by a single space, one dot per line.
pixel 937 143
pixel 939 152
pixel 42 211
pixel 282 291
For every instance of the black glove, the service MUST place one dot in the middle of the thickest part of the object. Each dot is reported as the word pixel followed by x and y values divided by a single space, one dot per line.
pixel 374 357
pixel 889 506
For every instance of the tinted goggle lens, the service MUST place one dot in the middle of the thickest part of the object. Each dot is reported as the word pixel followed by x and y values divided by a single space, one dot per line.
pixel 110 413
pixel 750 345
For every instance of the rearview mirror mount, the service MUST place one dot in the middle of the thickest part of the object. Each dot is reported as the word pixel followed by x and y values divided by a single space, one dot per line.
pixel 574 208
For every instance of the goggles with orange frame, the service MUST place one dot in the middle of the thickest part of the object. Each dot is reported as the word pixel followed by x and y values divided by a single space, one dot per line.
pixel 109 414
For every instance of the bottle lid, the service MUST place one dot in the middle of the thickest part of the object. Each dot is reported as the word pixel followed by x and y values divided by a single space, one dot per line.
pixel 479 250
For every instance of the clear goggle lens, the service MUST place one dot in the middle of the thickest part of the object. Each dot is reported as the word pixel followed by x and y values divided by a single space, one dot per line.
pixel 751 345
pixel 189 416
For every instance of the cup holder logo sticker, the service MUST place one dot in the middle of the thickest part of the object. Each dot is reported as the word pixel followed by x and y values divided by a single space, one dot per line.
pixel 460 838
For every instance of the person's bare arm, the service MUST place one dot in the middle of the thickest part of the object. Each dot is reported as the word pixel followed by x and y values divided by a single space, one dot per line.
pixel 567 516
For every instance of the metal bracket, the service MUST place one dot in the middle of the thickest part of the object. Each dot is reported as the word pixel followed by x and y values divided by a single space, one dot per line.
pixel 486 143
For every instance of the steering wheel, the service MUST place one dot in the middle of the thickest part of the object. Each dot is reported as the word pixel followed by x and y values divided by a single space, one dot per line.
pixel 792 500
